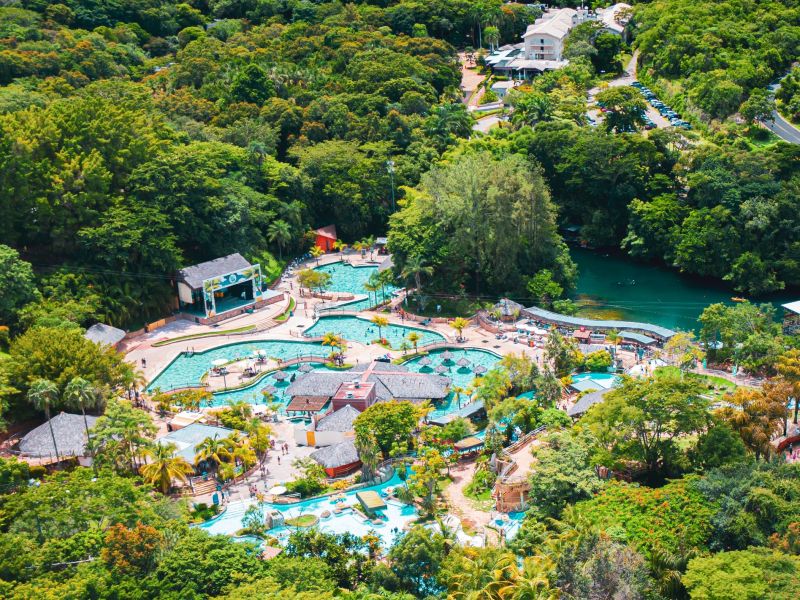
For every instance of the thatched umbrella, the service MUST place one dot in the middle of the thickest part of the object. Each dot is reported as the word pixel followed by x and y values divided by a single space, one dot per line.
pixel 480 370
pixel 269 389
pixel 447 356
pixel 463 362
pixel 425 361
pixel 279 375
pixel 305 368
pixel 441 369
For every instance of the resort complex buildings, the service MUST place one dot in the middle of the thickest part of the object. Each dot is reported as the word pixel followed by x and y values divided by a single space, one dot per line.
pixel 542 48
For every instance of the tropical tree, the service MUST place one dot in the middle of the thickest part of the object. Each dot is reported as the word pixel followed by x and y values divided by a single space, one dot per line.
pixel 372 286
pixel 121 435
pixel 316 252
pixel 369 453
pixel 215 450
pixel 336 342
pixel 81 394
pixel 380 322
pixel 279 233
pixel 426 474
pixel 415 268
pixel 788 366
pixel 43 394
pixel 164 467
pixel 491 35
pixel 339 246
pixel 459 324
pixel 681 350
pixel 758 414
pixel 414 338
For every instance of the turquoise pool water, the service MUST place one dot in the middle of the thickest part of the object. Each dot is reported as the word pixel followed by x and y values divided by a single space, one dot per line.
pixel 349 279
pixel 460 376
pixel 396 516
pixel 364 331
pixel 187 370
pixel 603 380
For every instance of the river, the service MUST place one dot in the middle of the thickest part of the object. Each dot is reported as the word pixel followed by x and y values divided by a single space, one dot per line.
pixel 612 286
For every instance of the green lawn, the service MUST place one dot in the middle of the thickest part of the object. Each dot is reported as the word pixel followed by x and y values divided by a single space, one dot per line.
pixel 285 314
pixel 303 521
pixel 450 307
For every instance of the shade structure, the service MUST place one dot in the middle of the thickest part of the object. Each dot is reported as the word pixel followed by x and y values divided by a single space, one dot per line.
pixel 305 368
pixel 425 361
pixel 269 389
pixel 447 355
pixel 441 369
pixel 219 362
pixel 480 370
pixel 463 362
pixel 279 375
pixel 277 490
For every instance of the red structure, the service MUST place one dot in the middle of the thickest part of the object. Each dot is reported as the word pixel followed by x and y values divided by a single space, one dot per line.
pixel 326 237
pixel 360 394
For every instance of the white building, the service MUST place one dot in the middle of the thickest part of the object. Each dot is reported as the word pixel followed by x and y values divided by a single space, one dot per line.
pixel 542 48
pixel 615 18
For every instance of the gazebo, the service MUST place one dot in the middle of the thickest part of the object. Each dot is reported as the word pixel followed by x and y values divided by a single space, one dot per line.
pixel 339 459
pixel 69 431
pixel 508 310
pixel 105 335
pixel 325 237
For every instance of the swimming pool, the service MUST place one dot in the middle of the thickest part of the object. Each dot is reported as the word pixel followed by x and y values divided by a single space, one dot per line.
pixel 349 279
pixel 186 370
pixel 396 516
pixel 460 376
pixel 364 331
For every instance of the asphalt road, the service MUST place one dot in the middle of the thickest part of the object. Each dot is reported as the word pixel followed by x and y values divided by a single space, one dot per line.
pixel 780 126
pixel 783 129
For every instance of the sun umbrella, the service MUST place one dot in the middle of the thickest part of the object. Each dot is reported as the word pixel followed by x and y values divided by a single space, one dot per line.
pixel 219 362
pixel 277 490
pixel 463 362
pixel 480 369
pixel 441 369
pixel 425 361
pixel 305 368
pixel 279 375
pixel 447 355
pixel 269 389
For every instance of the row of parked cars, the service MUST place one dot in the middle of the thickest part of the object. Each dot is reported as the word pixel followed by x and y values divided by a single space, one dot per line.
pixel 665 111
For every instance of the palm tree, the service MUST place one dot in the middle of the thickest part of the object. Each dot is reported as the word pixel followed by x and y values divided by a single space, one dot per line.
pixel 414 338
pixel 369 454
pixel 164 467
pixel 459 323
pixel 334 341
pixel 371 286
pixel 43 394
pixel 316 252
pixel 380 322
pixel 457 391
pixel 414 268
pixel 339 246
pixel 81 394
pixel 214 449
pixel 492 36
pixel 279 232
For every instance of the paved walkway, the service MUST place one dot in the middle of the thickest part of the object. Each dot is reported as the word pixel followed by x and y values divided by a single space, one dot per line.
pixel 470 80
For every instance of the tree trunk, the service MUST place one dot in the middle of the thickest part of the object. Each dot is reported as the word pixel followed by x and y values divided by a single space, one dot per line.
pixel 52 433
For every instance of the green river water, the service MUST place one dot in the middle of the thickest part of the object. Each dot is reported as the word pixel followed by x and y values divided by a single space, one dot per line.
pixel 615 287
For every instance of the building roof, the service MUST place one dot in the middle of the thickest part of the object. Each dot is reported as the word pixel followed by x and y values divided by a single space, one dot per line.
pixel 185 418
pixel 341 420
pixel 339 455
pixel 190 437
pixel 503 85
pixel 792 306
pixel 508 307
pixel 307 403
pixel 539 313
pixel 391 382
pixel 586 402
pixel 465 412
pixel 468 443
pixel 100 333
pixel 637 337
pixel 535 64
pixel 610 17
pixel 69 431
pixel 370 500
pixel 554 23
pixel 386 264
pixel 582 334
pixel 329 231
pixel 195 275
